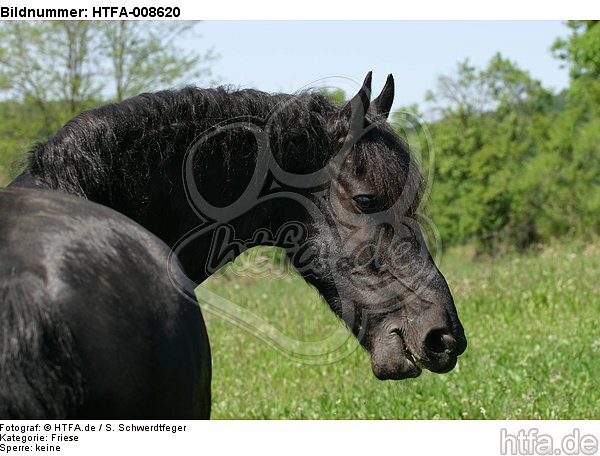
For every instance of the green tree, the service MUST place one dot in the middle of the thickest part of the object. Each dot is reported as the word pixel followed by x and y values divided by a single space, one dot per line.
pixel 62 67
pixel 337 96
pixel 580 50
pixel 458 94
pixel 50 65
pixel 576 136
pixel 581 54
pixel 493 121
pixel 51 71
pixel 143 55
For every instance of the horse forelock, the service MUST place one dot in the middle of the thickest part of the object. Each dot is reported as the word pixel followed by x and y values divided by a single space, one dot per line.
pixel 385 161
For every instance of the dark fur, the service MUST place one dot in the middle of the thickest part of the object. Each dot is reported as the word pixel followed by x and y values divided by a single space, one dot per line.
pixel 32 336
pixel 118 147
pixel 129 156
pixel 91 326
pixel 110 153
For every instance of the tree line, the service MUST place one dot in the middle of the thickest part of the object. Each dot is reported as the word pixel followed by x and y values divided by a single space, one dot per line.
pixel 52 70
pixel 514 163
pixel 511 162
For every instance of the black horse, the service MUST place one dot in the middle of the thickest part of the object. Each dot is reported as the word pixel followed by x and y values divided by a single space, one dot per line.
pixel 90 324
pixel 183 164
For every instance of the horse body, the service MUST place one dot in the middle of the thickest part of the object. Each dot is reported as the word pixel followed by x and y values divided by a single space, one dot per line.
pixel 184 163
pixel 90 325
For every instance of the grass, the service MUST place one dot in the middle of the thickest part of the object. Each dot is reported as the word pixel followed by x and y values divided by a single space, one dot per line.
pixel 533 324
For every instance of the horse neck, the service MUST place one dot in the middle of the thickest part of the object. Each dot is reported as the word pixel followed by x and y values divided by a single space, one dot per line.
pixel 131 156
pixel 209 224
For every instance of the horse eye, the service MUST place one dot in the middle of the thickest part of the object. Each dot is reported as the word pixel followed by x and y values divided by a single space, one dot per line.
pixel 366 203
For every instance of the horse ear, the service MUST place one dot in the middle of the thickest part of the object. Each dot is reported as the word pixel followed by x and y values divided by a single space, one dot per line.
pixel 383 103
pixel 358 106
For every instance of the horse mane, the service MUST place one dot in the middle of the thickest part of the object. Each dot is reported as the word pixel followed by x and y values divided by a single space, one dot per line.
pixel 116 148
pixel 138 134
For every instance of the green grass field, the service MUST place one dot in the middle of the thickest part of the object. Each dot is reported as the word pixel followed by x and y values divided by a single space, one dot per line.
pixel 532 321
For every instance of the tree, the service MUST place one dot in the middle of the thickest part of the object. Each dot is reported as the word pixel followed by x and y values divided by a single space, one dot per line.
pixel 492 125
pixel 62 67
pixel 143 56
pixel 581 53
pixel 460 93
pixel 580 50
pixel 576 136
pixel 471 91
pixel 51 71
pixel 49 64
pixel 337 96
pixel 515 163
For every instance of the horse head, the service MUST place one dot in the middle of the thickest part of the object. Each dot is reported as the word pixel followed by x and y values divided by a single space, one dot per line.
pixel 374 266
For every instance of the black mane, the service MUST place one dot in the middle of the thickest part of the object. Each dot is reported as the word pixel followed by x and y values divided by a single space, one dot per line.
pixel 135 136
pixel 116 149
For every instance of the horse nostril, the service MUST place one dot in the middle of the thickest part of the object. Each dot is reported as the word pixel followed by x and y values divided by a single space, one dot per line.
pixel 439 341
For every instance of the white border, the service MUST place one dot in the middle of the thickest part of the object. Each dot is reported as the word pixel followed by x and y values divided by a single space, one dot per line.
pixel 302 438
pixel 351 9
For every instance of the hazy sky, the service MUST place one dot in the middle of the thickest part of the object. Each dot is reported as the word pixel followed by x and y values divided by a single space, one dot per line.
pixel 288 55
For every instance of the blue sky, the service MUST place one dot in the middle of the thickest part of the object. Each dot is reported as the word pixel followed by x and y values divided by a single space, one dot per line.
pixel 288 55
